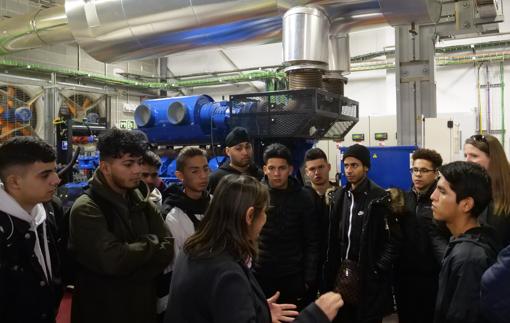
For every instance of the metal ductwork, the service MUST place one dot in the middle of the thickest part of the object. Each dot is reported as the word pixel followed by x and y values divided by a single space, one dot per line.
pixel 305 46
pixel 37 29
pixel 117 30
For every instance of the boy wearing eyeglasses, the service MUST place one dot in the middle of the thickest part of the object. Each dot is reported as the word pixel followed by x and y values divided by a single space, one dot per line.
pixel 416 273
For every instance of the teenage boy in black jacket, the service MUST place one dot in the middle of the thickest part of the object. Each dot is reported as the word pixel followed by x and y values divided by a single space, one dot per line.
pixel 30 264
pixel 240 152
pixel 416 273
pixel 367 236
pixel 289 241
pixel 462 193
pixel 322 191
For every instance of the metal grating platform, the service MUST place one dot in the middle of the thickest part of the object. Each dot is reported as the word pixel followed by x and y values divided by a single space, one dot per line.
pixel 306 114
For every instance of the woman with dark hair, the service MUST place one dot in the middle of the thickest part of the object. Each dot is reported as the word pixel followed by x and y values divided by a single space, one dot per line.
pixel 487 151
pixel 212 280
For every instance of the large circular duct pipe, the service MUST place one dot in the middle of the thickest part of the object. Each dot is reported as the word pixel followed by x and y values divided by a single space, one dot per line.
pixel 117 30
pixel 183 120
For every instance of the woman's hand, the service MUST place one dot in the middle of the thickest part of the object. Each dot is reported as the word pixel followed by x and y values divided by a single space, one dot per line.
pixel 281 312
pixel 330 303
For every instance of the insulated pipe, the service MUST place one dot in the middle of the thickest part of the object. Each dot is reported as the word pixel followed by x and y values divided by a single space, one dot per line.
pixel 40 28
pixel 117 30
pixel 132 29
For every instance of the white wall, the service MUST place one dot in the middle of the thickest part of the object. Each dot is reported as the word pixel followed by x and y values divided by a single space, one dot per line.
pixel 456 95
pixel 374 90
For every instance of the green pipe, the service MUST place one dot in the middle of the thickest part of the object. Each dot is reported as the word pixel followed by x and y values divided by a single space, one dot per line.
pixel 241 77
pixel 443 50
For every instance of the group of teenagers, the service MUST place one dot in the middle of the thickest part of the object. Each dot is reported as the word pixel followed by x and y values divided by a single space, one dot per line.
pixel 250 244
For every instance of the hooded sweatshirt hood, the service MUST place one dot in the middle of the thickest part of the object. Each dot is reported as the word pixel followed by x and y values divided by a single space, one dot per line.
pixel 35 218
pixel 156 197
pixel 174 196
pixel 482 236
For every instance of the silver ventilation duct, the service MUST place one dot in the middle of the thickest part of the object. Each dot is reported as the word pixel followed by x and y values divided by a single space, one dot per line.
pixel 37 29
pixel 116 30
pixel 306 36
pixel 339 53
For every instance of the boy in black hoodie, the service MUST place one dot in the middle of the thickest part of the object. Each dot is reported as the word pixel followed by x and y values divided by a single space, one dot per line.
pixel 462 193
pixel 239 150
pixel 184 206
pixel 30 264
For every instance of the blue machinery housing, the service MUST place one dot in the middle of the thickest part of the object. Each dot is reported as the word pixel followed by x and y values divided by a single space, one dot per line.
pixel 296 118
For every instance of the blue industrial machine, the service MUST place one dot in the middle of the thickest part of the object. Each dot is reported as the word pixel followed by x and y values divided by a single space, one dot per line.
pixel 295 118
pixel 390 166
pixel 183 120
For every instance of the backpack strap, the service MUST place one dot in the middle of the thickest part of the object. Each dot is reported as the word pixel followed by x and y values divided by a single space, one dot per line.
pixel 104 205
pixel 193 219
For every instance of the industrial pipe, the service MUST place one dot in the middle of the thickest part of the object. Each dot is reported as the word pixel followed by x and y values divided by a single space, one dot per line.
pixel 119 30
pixel 40 28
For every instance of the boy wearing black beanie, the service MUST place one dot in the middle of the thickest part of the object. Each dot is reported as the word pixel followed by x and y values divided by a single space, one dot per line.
pixel 368 244
pixel 240 152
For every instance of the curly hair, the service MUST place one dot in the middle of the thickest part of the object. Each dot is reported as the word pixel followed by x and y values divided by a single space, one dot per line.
pixel 428 154
pixel 114 143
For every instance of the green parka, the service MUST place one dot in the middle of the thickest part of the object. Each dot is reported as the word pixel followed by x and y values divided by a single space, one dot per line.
pixel 119 256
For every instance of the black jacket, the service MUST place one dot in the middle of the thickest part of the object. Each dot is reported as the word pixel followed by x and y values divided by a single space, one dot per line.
pixel 225 169
pixel 380 240
pixel 323 205
pixel 25 294
pixel 417 271
pixel 500 224
pixel 466 259
pixel 424 241
pixel 495 294
pixel 228 294
pixel 289 242
pixel 120 252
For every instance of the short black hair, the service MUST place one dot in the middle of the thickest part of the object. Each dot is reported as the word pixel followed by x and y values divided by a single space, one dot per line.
pixel 428 154
pixel 315 153
pixel 468 179
pixel 150 158
pixel 187 153
pixel 23 151
pixel 277 150
pixel 114 143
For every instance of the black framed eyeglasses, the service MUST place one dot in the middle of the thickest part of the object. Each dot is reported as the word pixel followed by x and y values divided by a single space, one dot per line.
pixel 424 171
